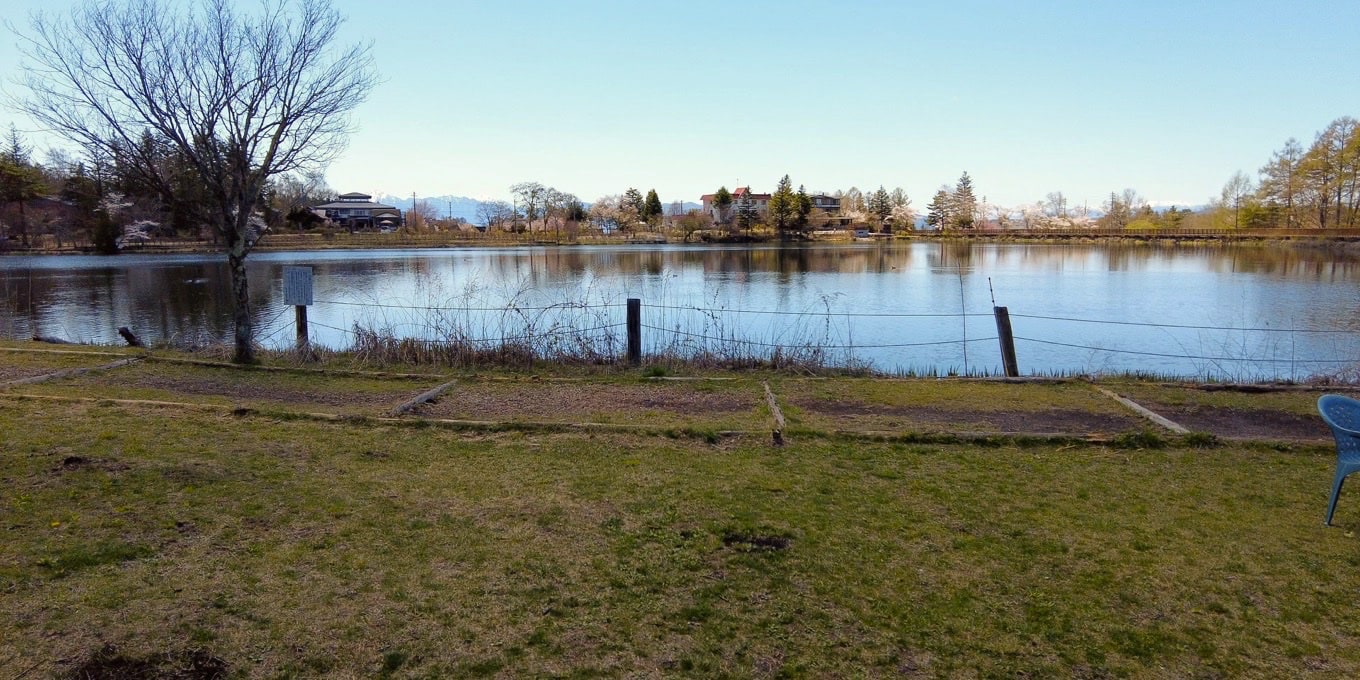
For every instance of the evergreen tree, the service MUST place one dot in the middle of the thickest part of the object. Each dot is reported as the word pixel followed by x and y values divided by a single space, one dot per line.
pixel 783 208
pixel 804 207
pixel 937 212
pixel 633 201
pixel 651 209
pixel 722 201
pixel 105 233
pixel 20 180
pixel 82 191
pixel 963 208
pixel 880 204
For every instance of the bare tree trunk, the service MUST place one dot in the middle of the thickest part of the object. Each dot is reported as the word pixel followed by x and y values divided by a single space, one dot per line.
pixel 240 293
pixel 23 223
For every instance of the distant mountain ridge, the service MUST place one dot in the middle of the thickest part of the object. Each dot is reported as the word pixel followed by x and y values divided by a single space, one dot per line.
pixel 446 206
pixel 464 207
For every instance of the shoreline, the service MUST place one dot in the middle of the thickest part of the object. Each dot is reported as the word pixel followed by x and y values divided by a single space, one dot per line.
pixel 1346 240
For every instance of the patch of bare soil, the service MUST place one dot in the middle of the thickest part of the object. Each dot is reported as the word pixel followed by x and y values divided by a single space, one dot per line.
pixel 110 664
pixel 1052 421
pixel 1248 423
pixel 72 463
pixel 249 391
pixel 565 401
pixel 755 542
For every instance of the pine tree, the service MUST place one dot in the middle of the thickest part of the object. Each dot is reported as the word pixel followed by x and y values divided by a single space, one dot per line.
pixel 937 212
pixel 651 209
pixel 880 204
pixel 633 200
pixel 722 201
pixel 963 206
pixel 804 207
pixel 20 180
pixel 783 209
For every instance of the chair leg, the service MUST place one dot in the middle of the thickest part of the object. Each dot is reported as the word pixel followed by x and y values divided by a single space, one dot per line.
pixel 1336 491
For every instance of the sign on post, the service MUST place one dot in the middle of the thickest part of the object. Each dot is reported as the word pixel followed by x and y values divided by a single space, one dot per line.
pixel 297 286
pixel 297 291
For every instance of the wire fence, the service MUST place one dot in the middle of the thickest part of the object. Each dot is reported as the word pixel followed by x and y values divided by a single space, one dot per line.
pixel 892 340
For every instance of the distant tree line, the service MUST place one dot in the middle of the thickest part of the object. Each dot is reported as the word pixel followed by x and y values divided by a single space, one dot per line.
pixel 150 186
pixel 152 190
pixel 1316 187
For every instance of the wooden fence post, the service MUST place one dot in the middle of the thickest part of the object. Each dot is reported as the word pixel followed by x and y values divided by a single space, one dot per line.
pixel 634 331
pixel 1003 334
pixel 301 316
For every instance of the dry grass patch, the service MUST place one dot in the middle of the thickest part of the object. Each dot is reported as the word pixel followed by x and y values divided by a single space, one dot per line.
pixel 697 404
pixel 1287 415
pixel 298 391
pixel 918 405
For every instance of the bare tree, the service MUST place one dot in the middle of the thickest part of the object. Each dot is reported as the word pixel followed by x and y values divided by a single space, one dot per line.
pixel 422 216
pixel 495 214
pixel 293 194
pixel 241 97
pixel 1056 204
pixel 1236 192
pixel 531 197
pixel 612 214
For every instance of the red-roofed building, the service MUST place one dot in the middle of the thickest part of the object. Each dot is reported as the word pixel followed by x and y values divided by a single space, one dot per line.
pixel 741 197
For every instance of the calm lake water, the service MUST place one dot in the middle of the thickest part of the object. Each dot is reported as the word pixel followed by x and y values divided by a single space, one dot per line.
pixel 1226 311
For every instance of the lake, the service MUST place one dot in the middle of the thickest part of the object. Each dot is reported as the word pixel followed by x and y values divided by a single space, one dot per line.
pixel 1225 311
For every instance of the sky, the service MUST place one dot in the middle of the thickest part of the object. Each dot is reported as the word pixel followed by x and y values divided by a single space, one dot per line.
pixel 1169 98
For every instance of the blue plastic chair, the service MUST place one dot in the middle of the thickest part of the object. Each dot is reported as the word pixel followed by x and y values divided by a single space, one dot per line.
pixel 1342 414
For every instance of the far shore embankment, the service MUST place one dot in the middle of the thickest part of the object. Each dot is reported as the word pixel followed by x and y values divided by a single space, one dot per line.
pixel 1347 239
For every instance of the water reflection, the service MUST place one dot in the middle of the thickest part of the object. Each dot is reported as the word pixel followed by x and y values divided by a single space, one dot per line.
pixel 839 297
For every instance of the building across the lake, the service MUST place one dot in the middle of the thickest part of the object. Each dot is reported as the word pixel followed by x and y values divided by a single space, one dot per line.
pixel 741 198
pixel 828 204
pixel 357 212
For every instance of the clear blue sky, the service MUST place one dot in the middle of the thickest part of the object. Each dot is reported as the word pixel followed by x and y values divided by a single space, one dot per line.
pixel 1169 98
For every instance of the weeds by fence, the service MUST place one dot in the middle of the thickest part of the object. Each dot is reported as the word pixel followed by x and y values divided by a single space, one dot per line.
pixel 518 332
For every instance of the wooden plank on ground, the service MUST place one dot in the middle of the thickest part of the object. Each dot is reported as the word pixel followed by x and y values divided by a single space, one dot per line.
pixel 67 373
pixel 423 397
pixel 1140 410
pixel 779 425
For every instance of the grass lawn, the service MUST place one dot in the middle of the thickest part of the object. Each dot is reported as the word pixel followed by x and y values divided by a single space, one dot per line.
pixel 286 548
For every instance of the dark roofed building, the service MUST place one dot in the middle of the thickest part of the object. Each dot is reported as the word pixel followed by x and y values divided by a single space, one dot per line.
pixel 355 211
pixel 829 204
